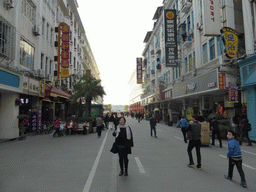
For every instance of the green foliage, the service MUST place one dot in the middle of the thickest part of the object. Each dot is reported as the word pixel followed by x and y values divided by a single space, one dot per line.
pixel 224 124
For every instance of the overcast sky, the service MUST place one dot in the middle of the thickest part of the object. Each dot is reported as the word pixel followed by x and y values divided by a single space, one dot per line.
pixel 116 30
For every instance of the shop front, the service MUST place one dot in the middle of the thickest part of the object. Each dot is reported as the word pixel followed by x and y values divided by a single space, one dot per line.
pixel 10 90
pixel 203 95
pixel 55 104
pixel 248 83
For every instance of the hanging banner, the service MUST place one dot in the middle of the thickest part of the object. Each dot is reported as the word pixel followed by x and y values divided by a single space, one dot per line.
pixel 64 72
pixel 211 15
pixel 232 93
pixel 139 70
pixel 222 81
pixel 170 24
pixel 230 39
pixel 41 89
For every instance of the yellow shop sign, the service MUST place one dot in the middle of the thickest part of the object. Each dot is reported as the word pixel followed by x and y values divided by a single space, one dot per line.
pixel 230 38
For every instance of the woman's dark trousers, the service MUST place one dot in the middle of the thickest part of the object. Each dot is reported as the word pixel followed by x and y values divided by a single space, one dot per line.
pixel 99 131
pixel 238 162
pixel 123 161
pixel 153 128
pixel 183 130
pixel 214 132
pixel 245 133
pixel 191 145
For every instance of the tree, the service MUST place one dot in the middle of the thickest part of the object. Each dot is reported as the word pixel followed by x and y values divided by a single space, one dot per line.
pixel 87 88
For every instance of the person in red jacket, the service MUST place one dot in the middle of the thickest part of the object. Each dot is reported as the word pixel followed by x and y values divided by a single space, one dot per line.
pixel 57 127
pixel 71 126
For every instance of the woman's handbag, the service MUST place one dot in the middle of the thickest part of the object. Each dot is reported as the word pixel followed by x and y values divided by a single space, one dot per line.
pixel 114 148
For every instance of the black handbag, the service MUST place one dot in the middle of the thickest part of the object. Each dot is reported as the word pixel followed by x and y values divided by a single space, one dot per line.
pixel 114 148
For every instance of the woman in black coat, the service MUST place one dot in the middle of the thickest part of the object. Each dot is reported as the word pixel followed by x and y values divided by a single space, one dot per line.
pixel 124 142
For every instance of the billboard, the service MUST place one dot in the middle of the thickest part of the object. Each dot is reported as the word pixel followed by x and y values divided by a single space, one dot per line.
pixel 211 17
pixel 170 24
pixel 139 70
pixel 230 38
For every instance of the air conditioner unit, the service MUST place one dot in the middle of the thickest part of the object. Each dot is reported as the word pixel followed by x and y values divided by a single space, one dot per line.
pixel 49 77
pixel 40 72
pixel 35 30
pixel 75 30
pixel 9 4
pixel 71 43
pixel 71 23
pixel 191 32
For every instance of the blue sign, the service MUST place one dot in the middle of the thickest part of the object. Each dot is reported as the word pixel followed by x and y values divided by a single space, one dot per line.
pixel 9 79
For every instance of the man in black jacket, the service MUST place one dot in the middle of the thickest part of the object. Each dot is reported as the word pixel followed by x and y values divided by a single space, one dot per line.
pixel 194 134
pixel 152 122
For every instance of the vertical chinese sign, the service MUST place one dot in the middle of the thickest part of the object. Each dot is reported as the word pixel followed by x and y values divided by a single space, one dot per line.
pixel 34 120
pixel 222 81
pixel 232 93
pixel 139 70
pixel 211 21
pixel 230 38
pixel 65 51
pixel 170 24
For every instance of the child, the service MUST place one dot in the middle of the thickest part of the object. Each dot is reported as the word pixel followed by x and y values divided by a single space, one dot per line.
pixel 235 158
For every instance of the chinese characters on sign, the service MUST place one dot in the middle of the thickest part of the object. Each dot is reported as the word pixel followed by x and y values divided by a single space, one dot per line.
pixel 232 93
pixel 170 37
pixel 230 38
pixel 222 81
pixel 65 51
pixel 139 70
pixel 34 121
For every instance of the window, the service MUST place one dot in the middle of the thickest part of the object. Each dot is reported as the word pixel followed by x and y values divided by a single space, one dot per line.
pixel 51 40
pixel 189 62
pixel 29 10
pixel 26 54
pixel 74 62
pixel 7 39
pixel 47 31
pixel 46 66
pixel 42 60
pixel 205 53
pixel 212 48
pixel 43 26
pixel 188 23
pixel 50 67
pixel 192 20
pixel 186 65
pixel 220 46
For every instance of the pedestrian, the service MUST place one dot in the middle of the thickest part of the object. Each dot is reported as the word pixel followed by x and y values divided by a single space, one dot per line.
pixel 106 120
pixel 124 143
pixel 152 122
pixel 215 131
pixel 116 121
pixel 234 156
pixel 99 125
pixel 138 117
pixel 184 124
pixel 194 134
pixel 57 127
pixel 70 127
pixel 245 128
pixel 111 121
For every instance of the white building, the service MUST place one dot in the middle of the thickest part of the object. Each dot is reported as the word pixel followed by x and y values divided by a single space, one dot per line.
pixel 193 86
pixel 27 61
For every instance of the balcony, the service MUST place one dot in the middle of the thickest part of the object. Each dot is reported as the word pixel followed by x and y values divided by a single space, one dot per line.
pixel 187 40
pixel 186 4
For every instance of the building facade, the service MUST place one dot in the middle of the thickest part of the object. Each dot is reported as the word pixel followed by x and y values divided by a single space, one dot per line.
pixel 200 81
pixel 28 65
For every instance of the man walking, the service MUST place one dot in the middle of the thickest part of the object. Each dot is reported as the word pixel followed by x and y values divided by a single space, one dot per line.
pixel 99 125
pixel 194 133
pixel 215 130
pixel 184 124
pixel 152 122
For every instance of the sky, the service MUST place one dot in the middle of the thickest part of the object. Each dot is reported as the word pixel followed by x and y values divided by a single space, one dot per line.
pixel 116 30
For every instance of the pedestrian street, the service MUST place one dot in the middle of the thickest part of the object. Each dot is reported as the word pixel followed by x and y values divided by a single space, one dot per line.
pixel 84 163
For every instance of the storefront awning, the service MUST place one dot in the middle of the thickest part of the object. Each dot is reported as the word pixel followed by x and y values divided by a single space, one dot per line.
pixel 55 92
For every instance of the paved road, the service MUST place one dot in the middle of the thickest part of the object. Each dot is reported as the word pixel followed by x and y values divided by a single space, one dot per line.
pixel 81 163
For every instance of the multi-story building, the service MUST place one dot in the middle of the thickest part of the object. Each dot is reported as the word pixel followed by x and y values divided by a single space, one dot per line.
pixel 135 92
pixel 27 61
pixel 199 83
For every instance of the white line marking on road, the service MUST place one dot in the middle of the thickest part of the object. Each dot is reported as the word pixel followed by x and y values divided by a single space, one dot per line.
pixel 139 164
pixel 94 167
pixel 223 156
pixel 248 166
pixel 179 138
pixel 243 163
